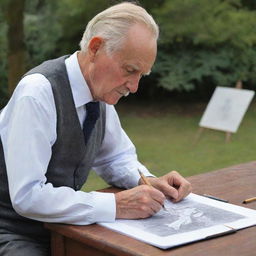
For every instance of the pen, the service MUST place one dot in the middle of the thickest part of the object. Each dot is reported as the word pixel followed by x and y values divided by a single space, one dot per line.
pixel 249 200
pixel 146 181
pixel 215 198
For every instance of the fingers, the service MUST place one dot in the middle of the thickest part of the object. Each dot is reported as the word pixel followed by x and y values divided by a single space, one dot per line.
pixel 181 184
pixel 173 185
pixel 170 192
pixel 139 202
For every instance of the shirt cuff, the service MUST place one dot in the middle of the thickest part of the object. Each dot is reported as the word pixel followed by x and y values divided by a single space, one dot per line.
pixel 104 207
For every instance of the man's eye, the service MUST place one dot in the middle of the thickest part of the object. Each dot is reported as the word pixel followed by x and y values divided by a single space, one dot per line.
pixel 130 71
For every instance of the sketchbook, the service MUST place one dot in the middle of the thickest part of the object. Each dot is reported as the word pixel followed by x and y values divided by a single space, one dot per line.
pixel 193 219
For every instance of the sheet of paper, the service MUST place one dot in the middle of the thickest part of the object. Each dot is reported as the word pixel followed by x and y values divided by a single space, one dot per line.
pixel 192 219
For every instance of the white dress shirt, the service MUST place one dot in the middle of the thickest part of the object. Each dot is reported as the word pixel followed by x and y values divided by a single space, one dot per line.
pixel 28 132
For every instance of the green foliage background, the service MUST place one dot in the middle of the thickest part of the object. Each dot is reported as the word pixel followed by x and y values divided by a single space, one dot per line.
pixel 203 43
pixel 206 42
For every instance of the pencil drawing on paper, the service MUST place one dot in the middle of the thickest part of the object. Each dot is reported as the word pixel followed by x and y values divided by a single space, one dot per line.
pixel 184 217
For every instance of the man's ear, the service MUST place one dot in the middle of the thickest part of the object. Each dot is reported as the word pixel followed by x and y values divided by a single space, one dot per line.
pixel 94 45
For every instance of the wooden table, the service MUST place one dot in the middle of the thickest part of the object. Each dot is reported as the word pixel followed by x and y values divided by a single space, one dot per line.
pixel 234 183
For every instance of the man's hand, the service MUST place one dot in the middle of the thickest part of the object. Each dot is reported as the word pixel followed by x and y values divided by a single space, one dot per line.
pixel 139 202
pixel 172 185
pixel 144 201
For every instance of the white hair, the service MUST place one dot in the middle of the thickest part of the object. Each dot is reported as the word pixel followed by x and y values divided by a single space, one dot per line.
pixel 113 24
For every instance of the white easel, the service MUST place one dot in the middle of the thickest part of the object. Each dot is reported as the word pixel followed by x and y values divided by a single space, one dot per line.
pixel 246 97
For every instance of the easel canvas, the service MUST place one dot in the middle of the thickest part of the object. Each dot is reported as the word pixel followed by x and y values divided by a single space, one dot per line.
pixel 226 109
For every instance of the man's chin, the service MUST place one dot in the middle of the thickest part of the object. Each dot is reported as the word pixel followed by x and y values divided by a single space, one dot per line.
pixel 112 101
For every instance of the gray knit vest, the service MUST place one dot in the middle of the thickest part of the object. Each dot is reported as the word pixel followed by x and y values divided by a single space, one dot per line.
pixel 71 159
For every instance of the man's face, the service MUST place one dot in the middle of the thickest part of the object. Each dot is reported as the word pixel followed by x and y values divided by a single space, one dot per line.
pixel 112 76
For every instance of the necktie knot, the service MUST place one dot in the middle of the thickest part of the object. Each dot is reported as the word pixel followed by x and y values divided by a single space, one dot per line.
pixel 92 114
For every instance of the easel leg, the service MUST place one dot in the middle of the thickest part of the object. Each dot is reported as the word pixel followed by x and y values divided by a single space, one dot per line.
pixel 198 135
pixel 228 137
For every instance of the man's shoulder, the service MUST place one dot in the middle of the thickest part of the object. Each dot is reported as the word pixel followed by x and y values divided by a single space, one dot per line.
pixel 33 92
pixel 36 88
pixel 35 85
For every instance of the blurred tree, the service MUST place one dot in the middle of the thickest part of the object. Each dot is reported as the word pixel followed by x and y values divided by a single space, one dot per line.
pixel 251 4
pixel 150 5
pixel 3 59
pixel 15 41
pixel 205 41
pixel 42 31
pixel 73 16
pixel 202 42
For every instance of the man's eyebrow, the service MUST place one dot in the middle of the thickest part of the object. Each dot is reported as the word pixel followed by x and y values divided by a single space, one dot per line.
pixel 133 66
pixel 137 68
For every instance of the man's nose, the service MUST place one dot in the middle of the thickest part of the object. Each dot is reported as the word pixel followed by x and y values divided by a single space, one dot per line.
pixel 133 84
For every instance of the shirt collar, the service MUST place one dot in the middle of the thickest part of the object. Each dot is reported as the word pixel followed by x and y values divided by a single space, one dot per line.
pixel 79 87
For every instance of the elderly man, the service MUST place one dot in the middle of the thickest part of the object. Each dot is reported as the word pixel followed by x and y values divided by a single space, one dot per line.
pixel 60 123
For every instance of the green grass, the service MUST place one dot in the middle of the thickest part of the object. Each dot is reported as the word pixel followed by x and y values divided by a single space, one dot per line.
pixel 164 135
